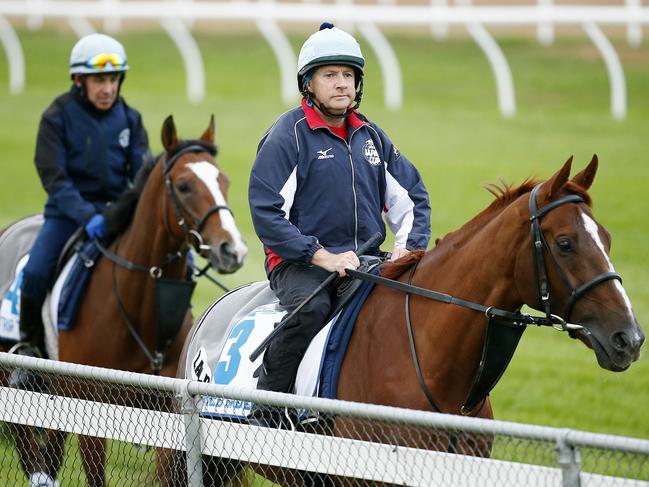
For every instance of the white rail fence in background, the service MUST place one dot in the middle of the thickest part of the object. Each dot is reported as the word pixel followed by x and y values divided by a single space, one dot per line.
pixel 177 17
pixel 521 454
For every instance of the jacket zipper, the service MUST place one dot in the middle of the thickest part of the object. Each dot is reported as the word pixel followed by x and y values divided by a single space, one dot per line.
pixel 351 163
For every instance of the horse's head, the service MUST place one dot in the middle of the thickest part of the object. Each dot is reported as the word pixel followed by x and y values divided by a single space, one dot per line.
pixel 572 271
pixel 198 191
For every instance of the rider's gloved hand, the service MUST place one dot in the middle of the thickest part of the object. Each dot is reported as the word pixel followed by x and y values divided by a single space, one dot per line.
pixel 96 226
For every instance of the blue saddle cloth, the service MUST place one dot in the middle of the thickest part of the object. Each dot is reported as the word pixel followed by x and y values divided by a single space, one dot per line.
pixel 339 339
pixel 75 285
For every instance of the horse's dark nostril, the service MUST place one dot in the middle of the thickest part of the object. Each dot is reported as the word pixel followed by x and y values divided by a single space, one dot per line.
pixel 620 340
pixel 227 250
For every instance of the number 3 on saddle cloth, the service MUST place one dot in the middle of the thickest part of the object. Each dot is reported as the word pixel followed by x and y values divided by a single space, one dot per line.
pixel 238 322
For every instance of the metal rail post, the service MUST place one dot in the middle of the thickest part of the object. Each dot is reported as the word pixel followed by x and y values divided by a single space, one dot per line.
pixel 193 442
pixel 569 460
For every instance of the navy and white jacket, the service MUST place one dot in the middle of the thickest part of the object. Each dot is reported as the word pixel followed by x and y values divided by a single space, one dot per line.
pixel 86 157
pixel 310 188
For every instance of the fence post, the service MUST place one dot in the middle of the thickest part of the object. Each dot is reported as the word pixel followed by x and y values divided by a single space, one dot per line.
pixel 193 443
pixel 569 460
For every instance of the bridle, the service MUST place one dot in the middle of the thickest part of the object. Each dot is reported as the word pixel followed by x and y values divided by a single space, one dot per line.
pixel 198 223
pixel 540 267
pixel 512 318
pixel 191 236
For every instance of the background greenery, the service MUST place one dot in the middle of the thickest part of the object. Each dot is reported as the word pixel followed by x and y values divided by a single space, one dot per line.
pixel 449 126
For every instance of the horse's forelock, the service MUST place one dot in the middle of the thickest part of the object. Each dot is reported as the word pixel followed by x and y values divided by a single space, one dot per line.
pixel 211 149
pixel 575 188
pixel 392 270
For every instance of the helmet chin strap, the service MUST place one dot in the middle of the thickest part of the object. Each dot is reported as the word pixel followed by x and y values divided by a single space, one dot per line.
pixel 320 106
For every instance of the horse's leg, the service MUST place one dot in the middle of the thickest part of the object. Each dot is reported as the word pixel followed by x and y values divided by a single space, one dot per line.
pixel 39 451
pixel 29 451
pixel 171 470
pixel 93 453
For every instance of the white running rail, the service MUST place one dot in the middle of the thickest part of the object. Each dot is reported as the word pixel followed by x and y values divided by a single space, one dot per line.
pixel 177 17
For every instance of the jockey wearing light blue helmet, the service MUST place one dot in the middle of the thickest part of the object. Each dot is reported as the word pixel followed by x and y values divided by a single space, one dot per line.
pixel 89 147
pixel 330 46
pixel 98 54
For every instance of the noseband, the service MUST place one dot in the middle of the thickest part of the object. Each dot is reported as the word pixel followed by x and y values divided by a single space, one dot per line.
pixel 179 208
pixel 540 268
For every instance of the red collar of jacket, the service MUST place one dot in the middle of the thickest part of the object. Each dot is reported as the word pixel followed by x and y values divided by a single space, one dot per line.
pixel 315 121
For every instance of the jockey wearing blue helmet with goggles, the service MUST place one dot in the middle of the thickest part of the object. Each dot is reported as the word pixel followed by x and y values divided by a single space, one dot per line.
pixel 330 46
pixel 90 145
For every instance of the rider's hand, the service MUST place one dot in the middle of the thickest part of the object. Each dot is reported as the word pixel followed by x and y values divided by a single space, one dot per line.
pixel 398 252
pixel 96 227
pixel 335 262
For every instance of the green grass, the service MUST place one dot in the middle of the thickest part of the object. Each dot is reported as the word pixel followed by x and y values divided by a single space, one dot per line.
pixel 450 127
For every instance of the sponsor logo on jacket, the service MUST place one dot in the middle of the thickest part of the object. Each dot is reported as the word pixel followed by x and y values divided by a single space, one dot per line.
pixel 324 154
pixel 370 154
pixel 125 138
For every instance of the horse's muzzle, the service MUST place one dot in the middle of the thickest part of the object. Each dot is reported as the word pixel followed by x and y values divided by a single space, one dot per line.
pixel 225 258
pixel 620 349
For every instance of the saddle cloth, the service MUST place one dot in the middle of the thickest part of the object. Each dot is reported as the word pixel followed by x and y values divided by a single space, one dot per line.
pixel 228 331
pixel 61 303
pixel 15 243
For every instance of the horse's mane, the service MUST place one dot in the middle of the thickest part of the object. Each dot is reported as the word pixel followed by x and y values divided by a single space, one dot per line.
pixel 505 194
pixel 119 214
pixel 392 270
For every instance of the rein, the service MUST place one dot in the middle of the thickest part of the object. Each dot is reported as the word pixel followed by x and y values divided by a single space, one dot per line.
pixel 157 357
pixel 514 319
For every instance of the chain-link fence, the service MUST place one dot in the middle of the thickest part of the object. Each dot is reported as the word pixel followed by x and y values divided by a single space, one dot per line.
pixel 133 430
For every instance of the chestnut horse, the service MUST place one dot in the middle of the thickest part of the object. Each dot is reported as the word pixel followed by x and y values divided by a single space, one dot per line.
pixel 420 348
pixel 180 201
pixel 561 267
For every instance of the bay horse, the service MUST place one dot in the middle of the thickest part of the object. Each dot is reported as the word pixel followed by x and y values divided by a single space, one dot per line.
pixel 179 201
pixel 537 245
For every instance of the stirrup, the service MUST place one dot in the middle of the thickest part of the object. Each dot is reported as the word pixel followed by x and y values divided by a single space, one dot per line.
pixel 24 346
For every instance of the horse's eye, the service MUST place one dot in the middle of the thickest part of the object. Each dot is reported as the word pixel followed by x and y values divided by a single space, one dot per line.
pixel 183 187
pixel 564 244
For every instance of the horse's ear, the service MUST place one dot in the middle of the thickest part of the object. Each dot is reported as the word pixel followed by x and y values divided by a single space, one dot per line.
pixel 208 135
pixel 168 134
pixel 553 185
pixel 585 178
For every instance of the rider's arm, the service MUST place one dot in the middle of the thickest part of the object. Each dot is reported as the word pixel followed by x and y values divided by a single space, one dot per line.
pixel 406 200
pixel 271 192
pixel 50 161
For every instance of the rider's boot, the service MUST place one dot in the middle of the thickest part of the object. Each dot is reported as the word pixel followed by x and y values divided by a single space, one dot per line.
pixel 32 344
pixel 264 415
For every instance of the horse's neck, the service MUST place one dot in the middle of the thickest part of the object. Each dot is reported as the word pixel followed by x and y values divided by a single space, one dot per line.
pixel 478 268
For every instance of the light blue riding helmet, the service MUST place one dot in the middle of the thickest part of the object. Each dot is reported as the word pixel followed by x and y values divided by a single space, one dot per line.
pixel 329 45
pixel 98 54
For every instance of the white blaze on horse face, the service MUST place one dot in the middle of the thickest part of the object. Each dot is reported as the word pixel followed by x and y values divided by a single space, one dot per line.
pixel 591 228
pixel 209 173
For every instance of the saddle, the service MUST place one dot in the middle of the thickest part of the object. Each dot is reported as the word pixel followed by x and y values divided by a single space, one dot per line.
pixel 231 328
pixel 15 244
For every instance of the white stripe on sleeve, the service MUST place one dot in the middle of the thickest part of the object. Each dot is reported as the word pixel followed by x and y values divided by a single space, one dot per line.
pixel 288 193
pixel 400 215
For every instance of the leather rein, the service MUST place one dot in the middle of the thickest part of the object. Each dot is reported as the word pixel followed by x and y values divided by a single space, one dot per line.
pixel 191 236
pixel 513 318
